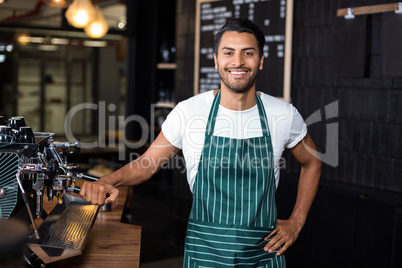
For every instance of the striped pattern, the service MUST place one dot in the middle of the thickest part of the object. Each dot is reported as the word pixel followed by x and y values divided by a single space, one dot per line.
pixel 215 245
pixel 9 164
pixel 231 183
pixel 234 201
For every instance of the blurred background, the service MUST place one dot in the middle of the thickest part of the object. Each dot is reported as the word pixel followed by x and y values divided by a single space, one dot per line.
pixel 144 65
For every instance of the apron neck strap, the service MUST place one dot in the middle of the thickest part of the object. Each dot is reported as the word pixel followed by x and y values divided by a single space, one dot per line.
pixel 263 116
pixel 212 114
pixel 214 111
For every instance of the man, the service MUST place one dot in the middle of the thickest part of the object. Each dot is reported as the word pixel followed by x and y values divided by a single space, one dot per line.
pixel 232 140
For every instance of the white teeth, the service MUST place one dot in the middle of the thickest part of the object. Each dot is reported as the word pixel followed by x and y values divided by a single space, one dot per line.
pixel 238 72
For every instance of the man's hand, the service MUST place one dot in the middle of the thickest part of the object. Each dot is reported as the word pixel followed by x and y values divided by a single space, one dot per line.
pixel 95 192
pixel 285 233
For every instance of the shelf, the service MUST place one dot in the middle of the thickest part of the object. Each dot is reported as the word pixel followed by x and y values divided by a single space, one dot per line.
pixel 166 66
pixel 36 83
pixel 160 104
pixel 364 10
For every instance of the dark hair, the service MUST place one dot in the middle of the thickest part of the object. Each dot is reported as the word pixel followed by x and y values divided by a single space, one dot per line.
pixel 241 26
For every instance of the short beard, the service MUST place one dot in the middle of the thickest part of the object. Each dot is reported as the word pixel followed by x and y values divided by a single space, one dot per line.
pixel 237 87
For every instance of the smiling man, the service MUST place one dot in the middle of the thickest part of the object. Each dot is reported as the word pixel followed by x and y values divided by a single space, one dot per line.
pixel 232 140
pixel 236 60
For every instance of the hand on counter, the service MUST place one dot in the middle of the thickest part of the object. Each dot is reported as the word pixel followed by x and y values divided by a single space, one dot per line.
pixel 95 192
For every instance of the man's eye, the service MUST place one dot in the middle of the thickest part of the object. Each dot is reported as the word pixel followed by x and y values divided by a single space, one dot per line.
pixel 228 53
pixel 248 53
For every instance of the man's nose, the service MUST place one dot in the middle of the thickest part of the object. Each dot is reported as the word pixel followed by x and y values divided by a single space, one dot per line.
pixel 238 60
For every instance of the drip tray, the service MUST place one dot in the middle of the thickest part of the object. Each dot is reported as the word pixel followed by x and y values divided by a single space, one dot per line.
pixel 64 232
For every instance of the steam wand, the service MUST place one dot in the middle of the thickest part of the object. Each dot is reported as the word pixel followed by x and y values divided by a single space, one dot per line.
pixel 26 201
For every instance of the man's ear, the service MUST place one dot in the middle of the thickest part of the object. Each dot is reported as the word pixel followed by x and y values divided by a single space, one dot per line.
pixel 261 62
pixel 216 61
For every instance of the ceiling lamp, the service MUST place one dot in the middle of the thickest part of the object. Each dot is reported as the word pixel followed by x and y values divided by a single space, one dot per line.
pixel 57 3
pixel 98 27
pixel 80 13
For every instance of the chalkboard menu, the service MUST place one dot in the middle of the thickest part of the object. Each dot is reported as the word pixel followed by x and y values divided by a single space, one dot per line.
pixel 272 16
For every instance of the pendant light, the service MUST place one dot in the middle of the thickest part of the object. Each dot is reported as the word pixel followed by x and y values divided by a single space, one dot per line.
pixel 80 13
pixel 57 3
pixel 98 27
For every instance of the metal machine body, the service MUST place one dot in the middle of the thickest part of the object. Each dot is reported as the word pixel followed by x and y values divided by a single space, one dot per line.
pixel 31 168
pixel 32 165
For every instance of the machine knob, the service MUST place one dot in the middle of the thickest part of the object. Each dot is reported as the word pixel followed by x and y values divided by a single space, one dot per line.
pixel 52 168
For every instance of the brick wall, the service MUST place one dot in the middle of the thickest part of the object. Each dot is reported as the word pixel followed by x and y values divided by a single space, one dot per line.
pixel 370 105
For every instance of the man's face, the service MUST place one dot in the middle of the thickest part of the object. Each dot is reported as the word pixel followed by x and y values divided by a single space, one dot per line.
pixel 238 61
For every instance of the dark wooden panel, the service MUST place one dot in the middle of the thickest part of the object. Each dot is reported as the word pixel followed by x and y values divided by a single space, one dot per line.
pixel 350 48
pixel 374 233
pixel 397 241
pixel 392 42
pixel 333 228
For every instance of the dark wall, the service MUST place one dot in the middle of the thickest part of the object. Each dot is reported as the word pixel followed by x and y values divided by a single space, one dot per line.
pixel 369 103
pixel 185 36
pixel 370 114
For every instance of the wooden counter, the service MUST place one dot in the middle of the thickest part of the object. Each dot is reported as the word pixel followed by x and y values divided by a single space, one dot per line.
pixel 110 243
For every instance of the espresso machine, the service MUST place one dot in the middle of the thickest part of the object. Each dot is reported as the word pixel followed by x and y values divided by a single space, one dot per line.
pixel 33 164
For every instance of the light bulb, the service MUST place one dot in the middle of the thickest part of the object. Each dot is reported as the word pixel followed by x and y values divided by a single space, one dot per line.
pixel 81 18
pixel 98 27
pixel 80 13
pixel 56 3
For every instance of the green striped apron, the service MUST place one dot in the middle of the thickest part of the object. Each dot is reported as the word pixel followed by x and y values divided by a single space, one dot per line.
pixel 233 200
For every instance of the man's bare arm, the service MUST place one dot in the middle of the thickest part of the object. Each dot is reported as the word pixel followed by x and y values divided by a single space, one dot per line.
pixel 287 231
pixel 134 173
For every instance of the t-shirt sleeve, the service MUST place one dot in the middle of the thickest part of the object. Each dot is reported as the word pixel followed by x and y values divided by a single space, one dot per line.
pixel 173 126
pixel 298 128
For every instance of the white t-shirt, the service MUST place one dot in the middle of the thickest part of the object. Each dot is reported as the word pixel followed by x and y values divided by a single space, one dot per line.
pixel 185 127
